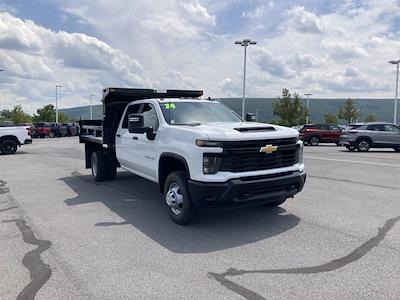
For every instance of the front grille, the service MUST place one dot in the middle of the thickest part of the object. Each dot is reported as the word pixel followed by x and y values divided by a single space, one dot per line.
pixel 243 156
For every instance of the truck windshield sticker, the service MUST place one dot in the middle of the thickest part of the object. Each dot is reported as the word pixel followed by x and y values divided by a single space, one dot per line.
pixel 169 105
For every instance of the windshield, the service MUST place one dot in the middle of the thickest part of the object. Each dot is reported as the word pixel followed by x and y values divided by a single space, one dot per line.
pixel 193 113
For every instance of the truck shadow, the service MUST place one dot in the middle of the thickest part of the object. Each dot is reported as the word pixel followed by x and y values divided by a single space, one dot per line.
pixel 138 202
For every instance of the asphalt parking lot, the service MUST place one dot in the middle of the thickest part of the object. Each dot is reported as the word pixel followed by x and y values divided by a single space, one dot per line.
pixel 63 236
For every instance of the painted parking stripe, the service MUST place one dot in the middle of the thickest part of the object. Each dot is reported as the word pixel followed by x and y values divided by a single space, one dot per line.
pixel 353 161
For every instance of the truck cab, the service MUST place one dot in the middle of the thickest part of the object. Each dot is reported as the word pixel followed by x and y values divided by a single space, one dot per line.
pixel 199 152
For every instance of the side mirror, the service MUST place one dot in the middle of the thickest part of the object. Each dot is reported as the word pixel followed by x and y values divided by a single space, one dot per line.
pixel 136 125
pixel 250 117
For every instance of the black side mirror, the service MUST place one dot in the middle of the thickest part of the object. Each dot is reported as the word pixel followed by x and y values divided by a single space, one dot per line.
pixel 136 123
pixel 250 117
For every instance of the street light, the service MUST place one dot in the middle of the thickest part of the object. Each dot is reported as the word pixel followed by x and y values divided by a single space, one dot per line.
pixel 244 44
pixel 91 107
pixel 308 106
pixel 57 87
pixel 395 62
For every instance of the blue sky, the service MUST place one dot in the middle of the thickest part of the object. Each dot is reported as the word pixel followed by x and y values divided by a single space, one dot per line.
pixel 328 48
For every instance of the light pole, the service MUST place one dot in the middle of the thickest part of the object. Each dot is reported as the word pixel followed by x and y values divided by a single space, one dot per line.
pixel 308 106
pixel 396 62
pixel 244 44
pixel 91 107
pixel 57 87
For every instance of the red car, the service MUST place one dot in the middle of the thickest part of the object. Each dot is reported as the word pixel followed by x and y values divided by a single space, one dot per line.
pixel 313 134
pixel 41 129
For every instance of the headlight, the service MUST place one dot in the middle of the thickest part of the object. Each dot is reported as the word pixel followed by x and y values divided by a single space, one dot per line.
pixel 206 143
pixel 211 164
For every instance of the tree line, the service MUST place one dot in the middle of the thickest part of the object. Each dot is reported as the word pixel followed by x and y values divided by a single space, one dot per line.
pixel 47 113
pixel 291 112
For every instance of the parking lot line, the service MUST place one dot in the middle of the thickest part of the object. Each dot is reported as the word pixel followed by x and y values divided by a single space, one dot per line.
pixel 353 161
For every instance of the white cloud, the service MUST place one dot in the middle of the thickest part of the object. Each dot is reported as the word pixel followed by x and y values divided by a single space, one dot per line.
pixel 304 21
pixel 267 62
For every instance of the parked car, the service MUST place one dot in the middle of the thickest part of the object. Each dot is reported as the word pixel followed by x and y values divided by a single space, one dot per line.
pixel 41 129
pixel 58 130
pixel 314 134
pixel 372 135
pixel 71 129
pixel 12 137
pixel 200 152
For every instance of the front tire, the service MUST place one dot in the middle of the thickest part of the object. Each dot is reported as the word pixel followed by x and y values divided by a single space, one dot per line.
pixel 314 141
pixel 177 198
pixel 8 146
pixel 363 145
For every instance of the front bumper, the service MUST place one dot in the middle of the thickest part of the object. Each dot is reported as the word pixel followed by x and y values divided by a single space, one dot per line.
pixel 346 141
pixel 247 190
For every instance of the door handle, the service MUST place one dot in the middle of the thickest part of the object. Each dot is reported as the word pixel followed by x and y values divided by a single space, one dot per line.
pixel 135 137
pixel 118 135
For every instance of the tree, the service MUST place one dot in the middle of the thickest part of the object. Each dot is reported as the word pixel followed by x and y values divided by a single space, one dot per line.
pixel 331 119
pixel 62 117
pixel 290 109
pixel 16 115
pixel 348 111
pixel 45 114
pixel 370 118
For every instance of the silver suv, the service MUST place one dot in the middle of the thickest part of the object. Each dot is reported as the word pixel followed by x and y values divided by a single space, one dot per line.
pixel 371 135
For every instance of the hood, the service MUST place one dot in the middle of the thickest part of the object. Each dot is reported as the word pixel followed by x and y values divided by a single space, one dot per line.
pixel 243 131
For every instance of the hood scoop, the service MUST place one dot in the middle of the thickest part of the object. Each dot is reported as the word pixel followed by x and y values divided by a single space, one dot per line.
pixel 255 129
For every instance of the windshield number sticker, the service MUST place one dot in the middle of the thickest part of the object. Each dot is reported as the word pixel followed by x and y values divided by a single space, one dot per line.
pixel 169 105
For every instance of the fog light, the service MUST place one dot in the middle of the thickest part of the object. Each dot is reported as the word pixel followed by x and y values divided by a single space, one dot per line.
pixel 211 164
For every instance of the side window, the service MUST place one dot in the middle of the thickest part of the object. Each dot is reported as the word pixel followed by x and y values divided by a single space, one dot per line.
pixel 150 116
pixel 392 128
pixel 333 128
pixel 132 109
pixel 376 127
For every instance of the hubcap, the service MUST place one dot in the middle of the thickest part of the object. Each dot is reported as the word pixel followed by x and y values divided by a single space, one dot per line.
pixel 364 145
pixel 9 147
pixel 174 198
pixel 314 141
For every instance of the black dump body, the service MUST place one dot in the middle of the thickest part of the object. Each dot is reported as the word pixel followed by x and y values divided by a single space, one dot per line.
pixel 114 102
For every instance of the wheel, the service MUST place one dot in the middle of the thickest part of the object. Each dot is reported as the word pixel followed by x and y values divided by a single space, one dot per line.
pixel 350 148
pixel 8 146
pixel 314 141
pixel 51 134
pixel 363 145
pixel 397 149
pixel 276 203
pixel 99 166
pixel 177 198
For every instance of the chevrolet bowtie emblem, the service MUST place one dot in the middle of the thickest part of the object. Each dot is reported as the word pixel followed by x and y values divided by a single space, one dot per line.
pixel 268 149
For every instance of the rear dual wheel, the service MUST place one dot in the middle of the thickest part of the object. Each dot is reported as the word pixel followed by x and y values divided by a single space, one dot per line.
pixel 103 167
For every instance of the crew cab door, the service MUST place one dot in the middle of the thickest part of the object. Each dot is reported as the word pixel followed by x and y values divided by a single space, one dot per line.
pixel 126 142
pixel 145 152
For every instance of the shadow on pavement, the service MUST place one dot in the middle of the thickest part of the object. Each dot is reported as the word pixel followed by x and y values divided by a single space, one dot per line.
pixel 139 203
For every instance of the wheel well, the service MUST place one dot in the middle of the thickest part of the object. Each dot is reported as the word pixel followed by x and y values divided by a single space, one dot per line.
pixel 9 137
pixel 168 164
pixel 364 138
